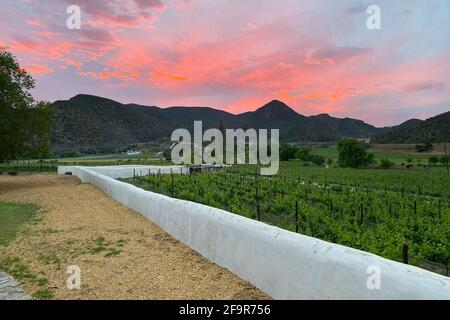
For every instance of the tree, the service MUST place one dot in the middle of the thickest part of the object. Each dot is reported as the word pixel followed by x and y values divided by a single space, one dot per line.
pixel 24 122
pixel 353 154
pixel 433 160
pixel 287 152
pixel 303 153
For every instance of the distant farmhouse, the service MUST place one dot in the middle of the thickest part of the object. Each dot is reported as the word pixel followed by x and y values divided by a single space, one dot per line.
pixel 133 153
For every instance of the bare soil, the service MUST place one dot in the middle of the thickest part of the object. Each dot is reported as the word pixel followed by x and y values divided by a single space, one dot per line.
pixel 121 254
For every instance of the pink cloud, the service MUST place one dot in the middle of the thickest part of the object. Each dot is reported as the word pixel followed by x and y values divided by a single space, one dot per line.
pixel 423 86
pixel 38 69
pixel 33 22
pixel 150 4
pixel 334 54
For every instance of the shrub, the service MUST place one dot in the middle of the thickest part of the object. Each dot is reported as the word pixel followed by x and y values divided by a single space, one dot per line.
pixel 303 153
pixel 386 164
pixel 318 160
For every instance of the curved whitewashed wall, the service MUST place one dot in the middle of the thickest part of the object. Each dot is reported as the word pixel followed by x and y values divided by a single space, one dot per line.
pixel 283 264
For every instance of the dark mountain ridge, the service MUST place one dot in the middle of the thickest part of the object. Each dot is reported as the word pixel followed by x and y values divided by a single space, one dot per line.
pixel 91 124
pixel 432 130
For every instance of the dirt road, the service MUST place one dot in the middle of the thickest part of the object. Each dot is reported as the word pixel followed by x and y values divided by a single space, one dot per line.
pixel 120 253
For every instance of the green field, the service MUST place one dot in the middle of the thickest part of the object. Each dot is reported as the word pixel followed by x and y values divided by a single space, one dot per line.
pixel 369 209
pixel 149 158
pixel 12 216
pixel 397 157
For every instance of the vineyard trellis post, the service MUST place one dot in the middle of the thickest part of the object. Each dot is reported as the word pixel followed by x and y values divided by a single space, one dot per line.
pixel 171 177
pixel 405 253
pixel 159 179
pixel 153 180
pixel 361 216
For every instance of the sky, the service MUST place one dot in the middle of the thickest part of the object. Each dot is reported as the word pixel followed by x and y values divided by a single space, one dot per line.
pixel 317 56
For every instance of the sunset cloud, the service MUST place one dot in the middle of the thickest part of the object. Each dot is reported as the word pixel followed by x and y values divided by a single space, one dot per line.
pixel 317 56
pixel 423 86
pixel 38 69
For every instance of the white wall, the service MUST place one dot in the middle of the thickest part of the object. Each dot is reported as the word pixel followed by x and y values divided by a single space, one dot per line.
pixel 283 264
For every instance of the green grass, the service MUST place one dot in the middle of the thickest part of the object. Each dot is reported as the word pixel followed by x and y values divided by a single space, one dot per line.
pixel 43 294
pixel 49 259
pixel 20 272
pixel 12 216
pixel 17 269
pixel 100 245
pixel 397 157
pixel 112 252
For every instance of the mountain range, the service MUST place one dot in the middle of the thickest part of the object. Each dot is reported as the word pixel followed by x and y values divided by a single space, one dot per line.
pixel 435 129
pixel 91 124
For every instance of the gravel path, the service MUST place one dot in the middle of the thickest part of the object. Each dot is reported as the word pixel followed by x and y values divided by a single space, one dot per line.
pixel 120 253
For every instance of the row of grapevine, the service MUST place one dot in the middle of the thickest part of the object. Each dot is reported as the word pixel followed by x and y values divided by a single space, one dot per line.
pixel 375 216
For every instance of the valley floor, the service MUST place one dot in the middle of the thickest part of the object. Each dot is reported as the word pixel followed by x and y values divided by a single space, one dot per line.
pixel 120 253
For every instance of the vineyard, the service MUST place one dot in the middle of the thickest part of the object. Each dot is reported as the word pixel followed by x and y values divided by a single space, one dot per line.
pixel 403 215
